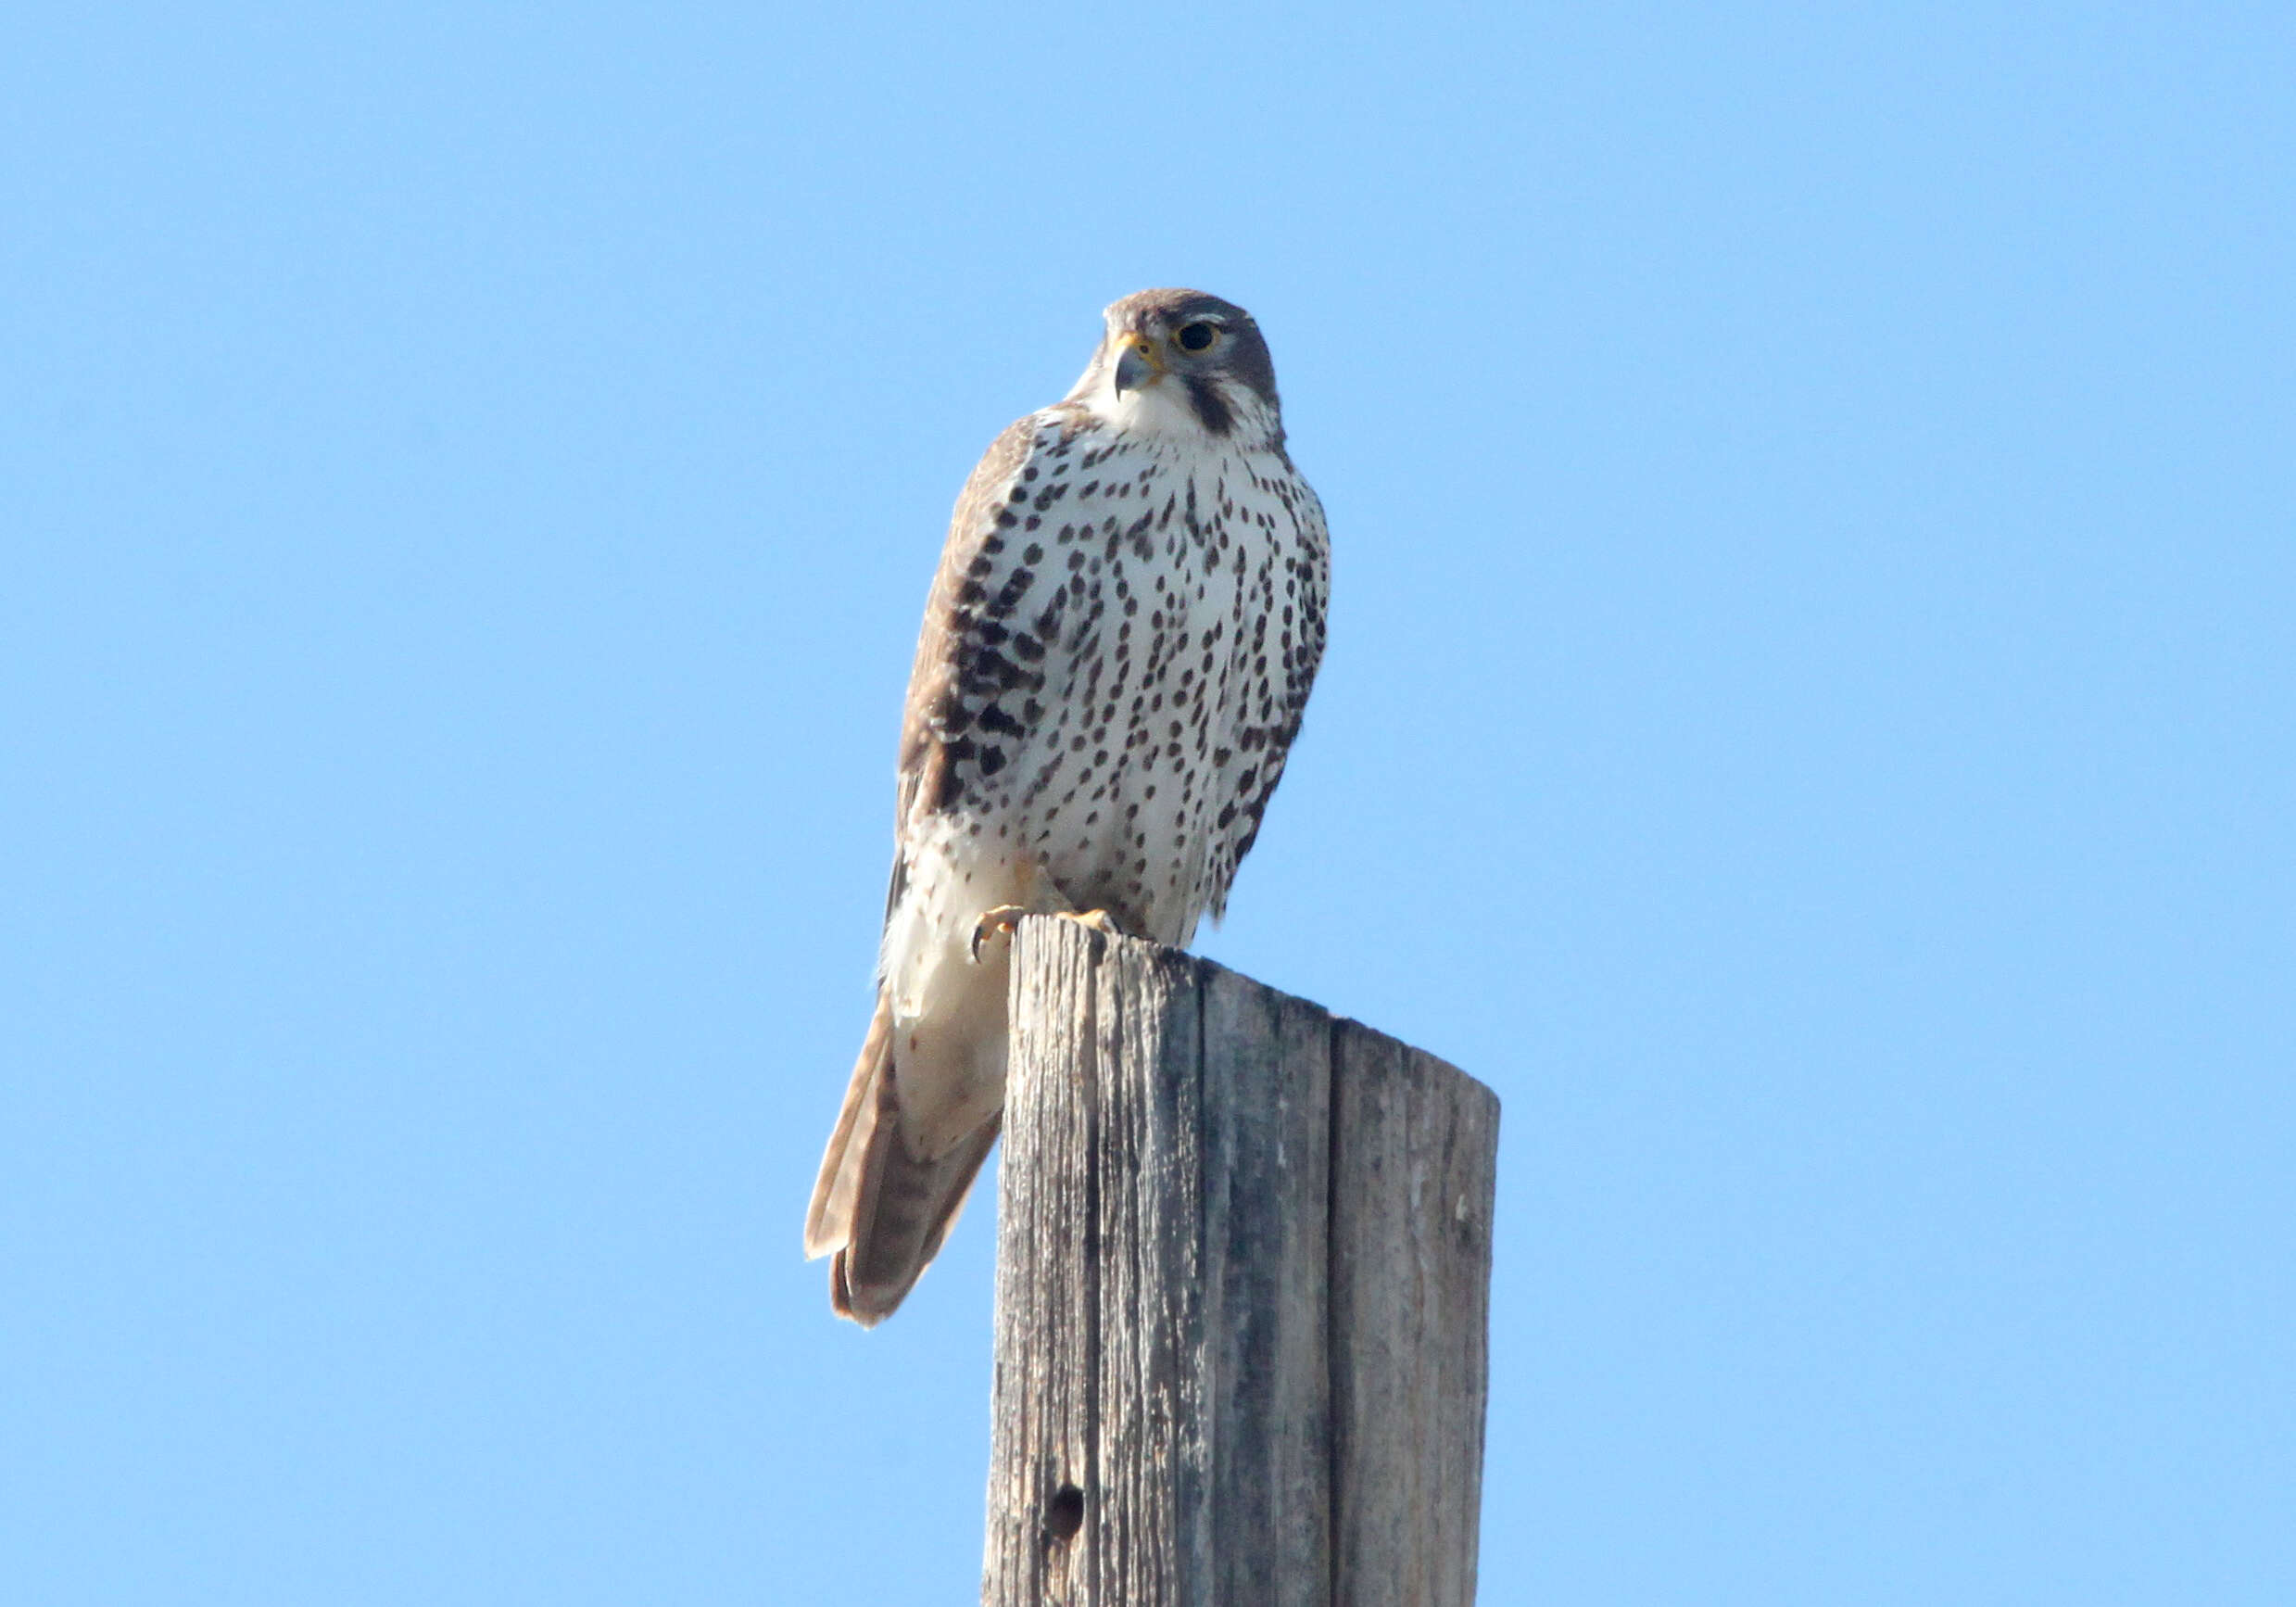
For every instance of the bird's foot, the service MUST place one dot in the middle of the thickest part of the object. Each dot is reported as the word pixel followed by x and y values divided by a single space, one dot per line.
pixel 998 922
pixel 1004 919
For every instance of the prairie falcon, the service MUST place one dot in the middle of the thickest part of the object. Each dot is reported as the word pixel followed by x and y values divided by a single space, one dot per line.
pixel 1116 652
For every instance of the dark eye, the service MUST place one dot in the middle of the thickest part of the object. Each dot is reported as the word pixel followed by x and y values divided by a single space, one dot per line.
pixel 1197 336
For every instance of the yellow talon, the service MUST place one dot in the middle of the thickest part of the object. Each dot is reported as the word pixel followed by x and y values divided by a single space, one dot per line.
pixel 1006 918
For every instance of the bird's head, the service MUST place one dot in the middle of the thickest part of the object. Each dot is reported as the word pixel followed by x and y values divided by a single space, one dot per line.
pixel 1180 360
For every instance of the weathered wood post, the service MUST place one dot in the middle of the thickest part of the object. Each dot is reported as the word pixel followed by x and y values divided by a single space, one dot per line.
pixel 1243 1267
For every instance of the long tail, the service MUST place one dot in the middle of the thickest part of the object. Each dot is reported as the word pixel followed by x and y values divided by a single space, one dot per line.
pixel 878 1209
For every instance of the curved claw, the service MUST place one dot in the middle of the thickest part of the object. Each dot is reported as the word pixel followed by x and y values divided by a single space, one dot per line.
pixel 1004 919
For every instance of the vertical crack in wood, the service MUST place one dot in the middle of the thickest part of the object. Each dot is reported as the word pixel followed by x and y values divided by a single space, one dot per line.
pixel 1082 1558
pixel 1334 1351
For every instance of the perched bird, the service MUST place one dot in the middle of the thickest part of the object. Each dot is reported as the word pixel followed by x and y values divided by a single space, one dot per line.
pixel 1116 652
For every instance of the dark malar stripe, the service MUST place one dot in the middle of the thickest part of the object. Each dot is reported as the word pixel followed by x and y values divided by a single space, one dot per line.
pixel 1211 407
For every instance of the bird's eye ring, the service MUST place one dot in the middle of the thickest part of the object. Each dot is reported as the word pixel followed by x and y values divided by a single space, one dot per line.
pixel 1196 337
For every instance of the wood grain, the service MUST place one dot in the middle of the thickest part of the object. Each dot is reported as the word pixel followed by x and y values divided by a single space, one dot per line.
pixel 1243 1256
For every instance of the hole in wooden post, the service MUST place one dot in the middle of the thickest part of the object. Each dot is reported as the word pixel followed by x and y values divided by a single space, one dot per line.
pixel 1064 1515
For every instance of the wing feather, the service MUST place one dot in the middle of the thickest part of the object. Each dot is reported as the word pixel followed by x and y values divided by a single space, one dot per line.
pixel 922 771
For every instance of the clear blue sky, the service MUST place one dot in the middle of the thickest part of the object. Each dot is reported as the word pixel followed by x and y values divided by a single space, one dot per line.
pixel 1808 720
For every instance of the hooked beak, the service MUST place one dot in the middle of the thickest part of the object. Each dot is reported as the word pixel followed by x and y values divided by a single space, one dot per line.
pixel 1139 365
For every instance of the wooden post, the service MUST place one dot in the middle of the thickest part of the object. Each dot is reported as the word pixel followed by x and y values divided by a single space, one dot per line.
pixel 1244 1266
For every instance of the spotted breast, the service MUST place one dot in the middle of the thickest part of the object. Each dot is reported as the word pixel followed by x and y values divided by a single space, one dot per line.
pixel 1116 654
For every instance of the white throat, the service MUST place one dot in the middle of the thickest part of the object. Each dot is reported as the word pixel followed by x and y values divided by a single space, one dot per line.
pixel 1162 411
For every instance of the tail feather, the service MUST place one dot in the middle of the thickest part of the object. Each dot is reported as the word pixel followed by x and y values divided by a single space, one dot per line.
pixel 829 1221
pixel 878 1209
